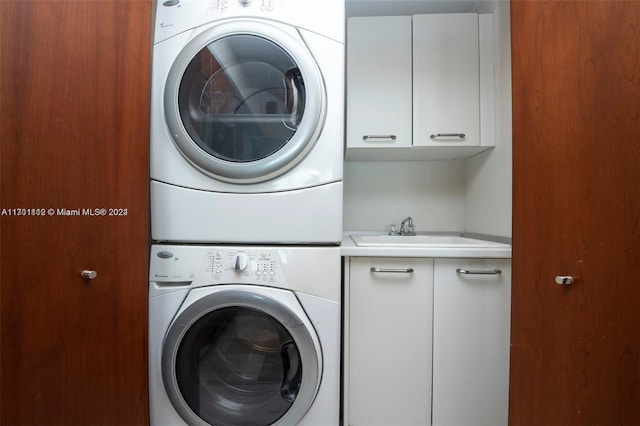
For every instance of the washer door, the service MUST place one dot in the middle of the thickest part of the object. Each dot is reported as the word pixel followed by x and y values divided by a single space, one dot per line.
pixel 244 101
pixel 237 357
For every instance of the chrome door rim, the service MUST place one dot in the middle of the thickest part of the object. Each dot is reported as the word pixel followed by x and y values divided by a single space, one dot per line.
pixel 309 354
pixel 294 150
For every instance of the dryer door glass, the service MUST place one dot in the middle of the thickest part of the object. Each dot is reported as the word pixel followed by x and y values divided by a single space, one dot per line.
pixel 244 107
pixel 242 98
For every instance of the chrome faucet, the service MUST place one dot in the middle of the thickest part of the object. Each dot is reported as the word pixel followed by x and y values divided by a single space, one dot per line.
pixel 410 229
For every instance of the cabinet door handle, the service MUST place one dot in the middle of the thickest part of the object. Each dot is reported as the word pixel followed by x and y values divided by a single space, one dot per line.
pixel 564 279
pixel 88 274
pixel 448 135
pixel 478 271
pixel 393 270
pixel 367 137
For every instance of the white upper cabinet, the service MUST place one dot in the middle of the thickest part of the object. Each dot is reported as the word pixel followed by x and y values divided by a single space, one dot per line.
pixel 379 82
pixel 446 83
pixel 420 87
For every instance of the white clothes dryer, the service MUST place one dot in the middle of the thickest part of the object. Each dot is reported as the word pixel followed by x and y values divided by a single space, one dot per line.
pixel 247 138
pixel 244 335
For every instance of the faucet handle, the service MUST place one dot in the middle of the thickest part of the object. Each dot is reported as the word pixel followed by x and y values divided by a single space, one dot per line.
pixel 394 229
pixel 411 230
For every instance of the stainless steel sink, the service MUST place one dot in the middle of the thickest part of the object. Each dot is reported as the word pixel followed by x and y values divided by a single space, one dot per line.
pixel 421 241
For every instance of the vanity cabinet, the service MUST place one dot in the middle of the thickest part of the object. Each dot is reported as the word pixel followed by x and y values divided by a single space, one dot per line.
pixel 379 82
pixel 427 341
pixel 389 342
pixel 420 87
pixel 471 324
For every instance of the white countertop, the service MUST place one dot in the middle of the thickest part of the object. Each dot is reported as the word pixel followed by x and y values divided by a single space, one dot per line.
pixel 489 251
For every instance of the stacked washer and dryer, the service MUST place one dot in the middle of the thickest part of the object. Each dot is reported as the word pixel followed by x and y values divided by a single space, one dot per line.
pixel 246 212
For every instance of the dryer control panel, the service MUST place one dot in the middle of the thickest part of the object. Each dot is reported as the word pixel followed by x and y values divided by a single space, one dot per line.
pixel 175 16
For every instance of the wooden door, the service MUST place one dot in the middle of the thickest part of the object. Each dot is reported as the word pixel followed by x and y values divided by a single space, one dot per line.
pixel 575 355
pixel 74 141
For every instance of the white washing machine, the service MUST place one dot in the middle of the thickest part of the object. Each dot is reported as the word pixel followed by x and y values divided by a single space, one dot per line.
pixel 244 335
pixel 247 136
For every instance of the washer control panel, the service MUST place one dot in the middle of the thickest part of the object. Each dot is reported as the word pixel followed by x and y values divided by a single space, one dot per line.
pixel 243 266
pixel 200 266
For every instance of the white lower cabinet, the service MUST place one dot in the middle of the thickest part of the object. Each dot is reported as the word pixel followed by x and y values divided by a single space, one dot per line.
pixel 427 341
pixel 390 341
pixel 471 323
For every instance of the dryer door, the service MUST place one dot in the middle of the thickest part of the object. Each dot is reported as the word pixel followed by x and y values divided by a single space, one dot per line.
pixel 245 101
pixel 239 357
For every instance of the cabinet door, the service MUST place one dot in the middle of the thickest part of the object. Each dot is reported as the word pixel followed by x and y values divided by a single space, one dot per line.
pixel 379 82
pixel 390 341
pixel 471 317
pixel 74 138
pixel 446 80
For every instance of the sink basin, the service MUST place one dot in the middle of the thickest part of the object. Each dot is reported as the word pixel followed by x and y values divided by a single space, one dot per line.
pixel 420 241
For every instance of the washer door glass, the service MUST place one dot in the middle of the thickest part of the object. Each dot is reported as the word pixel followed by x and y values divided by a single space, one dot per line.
pixel 244 111
pixel 238 365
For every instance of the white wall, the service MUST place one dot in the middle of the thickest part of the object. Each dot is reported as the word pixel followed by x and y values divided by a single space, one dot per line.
pixel 488 175
pixel 379 193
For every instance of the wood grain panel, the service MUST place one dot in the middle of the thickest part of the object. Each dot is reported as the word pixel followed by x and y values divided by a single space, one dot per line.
pixel 75 114
pixel 576 130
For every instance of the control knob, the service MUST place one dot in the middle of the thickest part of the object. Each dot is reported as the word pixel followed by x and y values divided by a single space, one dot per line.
pixel 241 262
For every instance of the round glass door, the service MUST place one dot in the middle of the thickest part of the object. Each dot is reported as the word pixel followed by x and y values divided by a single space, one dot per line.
pixel 244 106
pixel 239 364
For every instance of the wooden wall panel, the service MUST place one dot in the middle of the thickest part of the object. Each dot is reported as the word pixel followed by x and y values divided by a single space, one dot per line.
pixel 576 211
pixel 74 135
